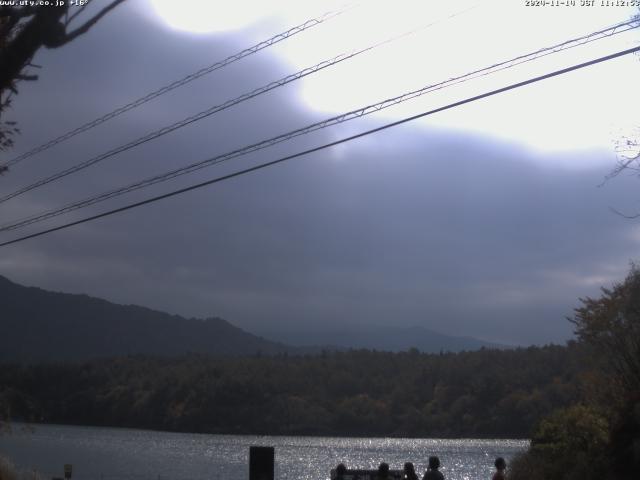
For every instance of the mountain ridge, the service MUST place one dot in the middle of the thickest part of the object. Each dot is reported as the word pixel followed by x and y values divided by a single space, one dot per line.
pixel 41 325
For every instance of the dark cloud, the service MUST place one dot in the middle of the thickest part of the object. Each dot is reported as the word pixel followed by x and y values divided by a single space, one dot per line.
pixel 414 226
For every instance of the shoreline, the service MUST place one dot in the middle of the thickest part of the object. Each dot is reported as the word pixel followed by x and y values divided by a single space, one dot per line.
pixel 27 425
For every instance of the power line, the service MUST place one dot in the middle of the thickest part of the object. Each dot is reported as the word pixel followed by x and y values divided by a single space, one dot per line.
pixel 328 145
pixel 618 28
pixel 183 81
pixel 216 109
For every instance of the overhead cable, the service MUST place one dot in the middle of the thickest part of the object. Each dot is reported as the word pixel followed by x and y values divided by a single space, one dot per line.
pixel 183 81
pixel 327 145
pixel 215 109
pixel 319 125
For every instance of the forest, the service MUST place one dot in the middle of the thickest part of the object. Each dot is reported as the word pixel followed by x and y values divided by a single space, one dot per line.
pixel 484 393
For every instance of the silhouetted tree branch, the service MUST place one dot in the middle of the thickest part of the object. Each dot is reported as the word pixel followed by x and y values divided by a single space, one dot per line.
pixel 91 22
pixel 23 31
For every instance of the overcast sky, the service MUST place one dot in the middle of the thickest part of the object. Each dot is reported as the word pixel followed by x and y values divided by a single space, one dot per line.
pixel 488 220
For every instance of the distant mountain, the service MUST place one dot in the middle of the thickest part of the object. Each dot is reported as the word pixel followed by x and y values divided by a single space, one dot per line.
pixel 39 325
pixel 389 338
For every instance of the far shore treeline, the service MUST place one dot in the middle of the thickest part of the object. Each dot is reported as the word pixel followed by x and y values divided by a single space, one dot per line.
pixel 485 393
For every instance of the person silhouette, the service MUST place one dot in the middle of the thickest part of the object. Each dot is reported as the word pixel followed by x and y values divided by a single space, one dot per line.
pixel 501 466
pixel 341 470
pixel 383 471
pixel 433 473
pixel 409 472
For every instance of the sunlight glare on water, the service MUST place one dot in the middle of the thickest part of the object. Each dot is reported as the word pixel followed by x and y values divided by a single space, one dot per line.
pixel 124 454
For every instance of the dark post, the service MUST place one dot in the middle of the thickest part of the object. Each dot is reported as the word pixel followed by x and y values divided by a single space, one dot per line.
pixel 261 463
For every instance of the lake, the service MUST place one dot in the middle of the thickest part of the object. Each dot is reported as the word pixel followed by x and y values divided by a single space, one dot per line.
pixel 126 454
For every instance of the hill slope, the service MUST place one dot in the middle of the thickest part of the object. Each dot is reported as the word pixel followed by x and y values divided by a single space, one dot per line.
pixel 38 325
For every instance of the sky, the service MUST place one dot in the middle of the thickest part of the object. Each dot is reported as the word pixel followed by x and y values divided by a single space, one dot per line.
pixel 488 220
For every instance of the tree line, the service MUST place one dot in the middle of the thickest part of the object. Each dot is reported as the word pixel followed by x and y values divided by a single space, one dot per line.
pixel 484 393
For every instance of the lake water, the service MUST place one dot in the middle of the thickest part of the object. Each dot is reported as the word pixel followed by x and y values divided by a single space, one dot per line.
pixel 124 454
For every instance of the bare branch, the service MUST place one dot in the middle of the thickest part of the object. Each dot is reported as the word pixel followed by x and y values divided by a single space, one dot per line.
pixel 78 12
pixel 27 77
pixel 91 22
pixel 630 217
